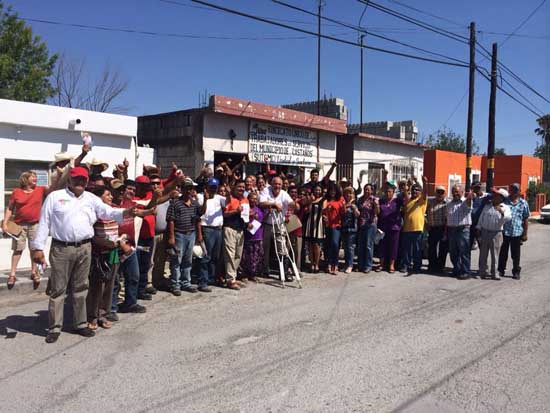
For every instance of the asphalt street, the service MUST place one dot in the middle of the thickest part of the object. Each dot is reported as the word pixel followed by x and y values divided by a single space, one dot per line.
pixel 362 343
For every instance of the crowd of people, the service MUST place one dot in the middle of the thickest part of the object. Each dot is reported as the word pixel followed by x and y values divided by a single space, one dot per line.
pixel 116 241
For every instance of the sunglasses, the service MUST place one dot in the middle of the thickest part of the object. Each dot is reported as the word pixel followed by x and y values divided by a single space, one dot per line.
pixel 440 191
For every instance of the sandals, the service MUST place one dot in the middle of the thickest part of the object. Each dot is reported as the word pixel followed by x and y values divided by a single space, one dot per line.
pixel 11 281
pixel 92 326
pixel 35 280
pixel 234 285
pixel 106 324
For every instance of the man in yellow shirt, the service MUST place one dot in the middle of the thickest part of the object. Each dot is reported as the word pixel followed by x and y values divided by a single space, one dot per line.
pixel 414 213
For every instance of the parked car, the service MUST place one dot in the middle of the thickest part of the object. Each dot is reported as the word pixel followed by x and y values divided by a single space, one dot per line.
pixel 545 214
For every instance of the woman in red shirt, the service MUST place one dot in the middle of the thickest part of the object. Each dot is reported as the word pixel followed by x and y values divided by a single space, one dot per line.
pixel 332 217
pixel 24 209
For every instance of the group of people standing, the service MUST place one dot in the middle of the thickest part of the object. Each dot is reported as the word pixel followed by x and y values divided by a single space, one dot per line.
pixel 112 237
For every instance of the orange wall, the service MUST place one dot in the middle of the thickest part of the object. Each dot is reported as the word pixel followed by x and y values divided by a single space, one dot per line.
pixel 438 165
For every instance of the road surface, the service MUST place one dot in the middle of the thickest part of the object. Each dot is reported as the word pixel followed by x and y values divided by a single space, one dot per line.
pixel 360 343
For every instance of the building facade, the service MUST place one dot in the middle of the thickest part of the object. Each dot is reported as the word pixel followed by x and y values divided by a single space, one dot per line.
pixel 31 134
pixel 229 129
pixel 449 168
pixel 405 130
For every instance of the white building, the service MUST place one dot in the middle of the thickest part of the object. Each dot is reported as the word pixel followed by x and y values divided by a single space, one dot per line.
pixel 31 134
pixel 371 154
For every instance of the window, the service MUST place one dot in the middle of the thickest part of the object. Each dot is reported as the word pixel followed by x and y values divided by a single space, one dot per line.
pixel 402 171
pixel 14 168
pixel 454 180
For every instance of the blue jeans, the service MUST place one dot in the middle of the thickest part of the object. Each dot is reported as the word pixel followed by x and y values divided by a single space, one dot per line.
pixel 459 249
pixel 213 241
pixel 332 242
pixel 348 243
pixel 365 246
pixel 129 268
pixel 180 265
pixel 411 248
pixel 144 260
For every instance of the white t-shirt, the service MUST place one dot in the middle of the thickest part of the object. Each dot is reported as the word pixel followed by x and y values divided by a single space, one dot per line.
pixel 160 221
pixel 282 199
pixel 213 217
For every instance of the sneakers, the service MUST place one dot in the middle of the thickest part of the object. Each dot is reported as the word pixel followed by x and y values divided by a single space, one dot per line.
pixel 136 308
pixel 348 270
pixel 112 317
pixel 516 276
pixel 145 296
pixel 176 292
pixel 496 277
pixel 151 290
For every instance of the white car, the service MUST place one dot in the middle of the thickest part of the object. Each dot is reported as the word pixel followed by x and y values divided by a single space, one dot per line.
pixel 545 213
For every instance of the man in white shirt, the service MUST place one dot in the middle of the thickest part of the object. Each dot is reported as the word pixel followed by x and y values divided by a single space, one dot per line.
pixel 69 215
pixel 273 199
pixel 212 206
pixel 459 220
pixel 489 231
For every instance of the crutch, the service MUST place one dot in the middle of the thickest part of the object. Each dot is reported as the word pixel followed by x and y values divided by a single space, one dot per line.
pixel 279 225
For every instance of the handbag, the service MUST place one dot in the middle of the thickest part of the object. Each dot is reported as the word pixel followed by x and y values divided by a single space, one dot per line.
pixel 104 265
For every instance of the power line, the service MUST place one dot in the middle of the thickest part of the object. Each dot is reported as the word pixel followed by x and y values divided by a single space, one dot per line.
pixel 523 22
pixel 336 39
pixel 161 34
pixel 361 29
pixel 527 36
pixel 417 22
pixel 487 77
pixel 427 13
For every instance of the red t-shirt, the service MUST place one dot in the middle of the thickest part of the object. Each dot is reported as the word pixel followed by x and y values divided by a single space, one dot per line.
pixel 148 226
pixel 334 212
pixel 27 206
pixel 128 226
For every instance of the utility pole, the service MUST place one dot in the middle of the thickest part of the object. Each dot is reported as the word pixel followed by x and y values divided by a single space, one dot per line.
pixel 469 132
pixel 320 6
pixel 492 115
pixel 362 37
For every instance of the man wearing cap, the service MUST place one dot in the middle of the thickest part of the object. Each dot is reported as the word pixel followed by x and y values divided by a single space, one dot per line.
pixel 69 215
pixel 183 218
pixel 489 231
pixel 459 220
pixel 437 232
pixel 515 232
pixel 212 206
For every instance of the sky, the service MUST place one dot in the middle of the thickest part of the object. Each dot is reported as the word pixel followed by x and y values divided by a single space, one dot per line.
pixel 279 66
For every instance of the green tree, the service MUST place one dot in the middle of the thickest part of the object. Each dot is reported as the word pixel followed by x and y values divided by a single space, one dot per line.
pixel 500 151
pixel 447 140
pixel 25 63
pixel 542 150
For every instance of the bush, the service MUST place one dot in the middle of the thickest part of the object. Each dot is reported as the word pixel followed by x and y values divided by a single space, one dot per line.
pixel 535 189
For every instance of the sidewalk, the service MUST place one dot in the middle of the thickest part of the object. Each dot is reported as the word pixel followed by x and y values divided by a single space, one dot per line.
pixel 24 284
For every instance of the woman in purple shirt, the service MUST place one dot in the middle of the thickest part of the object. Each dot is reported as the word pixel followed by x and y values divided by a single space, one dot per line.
pixel 253 250
pixel 389 221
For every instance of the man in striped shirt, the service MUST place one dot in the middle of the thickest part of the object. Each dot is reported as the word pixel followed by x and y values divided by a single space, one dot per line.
pixel 459 220
pixel 489 231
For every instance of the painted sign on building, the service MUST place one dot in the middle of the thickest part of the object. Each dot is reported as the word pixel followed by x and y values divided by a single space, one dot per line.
pixel 283 144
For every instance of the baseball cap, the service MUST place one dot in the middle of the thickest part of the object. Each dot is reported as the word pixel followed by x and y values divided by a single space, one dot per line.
pixel 515 186
pixel 501 191
pixel 213 182
pixel 391 183
pixel 188 182
pixel 79 171
pixel 142 179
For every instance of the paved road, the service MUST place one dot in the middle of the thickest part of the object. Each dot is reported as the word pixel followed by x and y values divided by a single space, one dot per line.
pixel 348 343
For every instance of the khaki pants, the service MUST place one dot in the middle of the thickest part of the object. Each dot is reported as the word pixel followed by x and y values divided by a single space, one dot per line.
pixel 159 274
pixel 27 235
pixel 69 264
pixel 232 251
pixel 268 231
pixel 489 243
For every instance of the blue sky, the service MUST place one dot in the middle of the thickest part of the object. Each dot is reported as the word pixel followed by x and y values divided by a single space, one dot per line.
pixel 168 73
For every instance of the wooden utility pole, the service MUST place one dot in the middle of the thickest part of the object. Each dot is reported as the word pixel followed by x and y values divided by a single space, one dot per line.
pixel 469 132
pixel 362 37
pixel 492 116
pixel 320 5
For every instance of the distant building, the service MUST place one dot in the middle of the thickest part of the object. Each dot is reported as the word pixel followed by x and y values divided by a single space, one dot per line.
pixel 331 108
pixel 405 130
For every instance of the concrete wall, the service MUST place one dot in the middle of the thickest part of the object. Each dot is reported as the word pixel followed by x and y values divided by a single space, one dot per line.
pixel 216 135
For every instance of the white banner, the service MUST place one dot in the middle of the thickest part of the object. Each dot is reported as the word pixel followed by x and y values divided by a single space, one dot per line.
pixel 283 144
